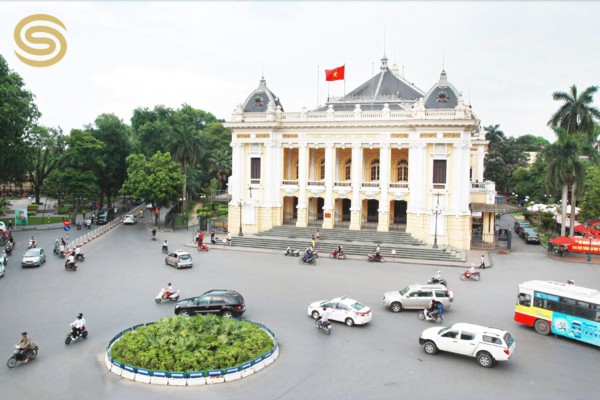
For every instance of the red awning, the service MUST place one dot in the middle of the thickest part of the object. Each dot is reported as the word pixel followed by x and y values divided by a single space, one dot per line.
pixel 563 240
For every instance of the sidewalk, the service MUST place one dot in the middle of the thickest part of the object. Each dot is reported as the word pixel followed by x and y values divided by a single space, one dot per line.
pixel 575 258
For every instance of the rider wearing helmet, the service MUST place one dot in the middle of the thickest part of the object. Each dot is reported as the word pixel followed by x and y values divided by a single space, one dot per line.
pixel 78 325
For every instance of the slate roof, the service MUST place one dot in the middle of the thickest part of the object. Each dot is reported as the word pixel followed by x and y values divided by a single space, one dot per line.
pixel 442 94
pixel 259 99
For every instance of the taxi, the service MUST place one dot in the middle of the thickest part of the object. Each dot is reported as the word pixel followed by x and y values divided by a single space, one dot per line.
pixel 179 259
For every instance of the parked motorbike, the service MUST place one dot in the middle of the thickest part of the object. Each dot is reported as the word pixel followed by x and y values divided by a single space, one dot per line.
pixel 470 276
pixel 437 280
pixel 305 260
pixel 325 327
pixel 70 266
pixel 17 356
pixel 71 338
pixel 375 258
pixel 437 318
pixel 203 248
pixel 79 257
pixel 292 253
pixel 336 255
pixel 160 297
pixel 87 223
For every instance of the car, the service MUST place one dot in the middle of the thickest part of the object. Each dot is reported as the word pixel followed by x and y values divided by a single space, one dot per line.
pixel 179 259
pixel 2 226
pixel 531 237
pixel 417 296
pixel 2 268
pixel 33 257
pixel 520 225
pixel 129 220
pixel 342 309
pixel 524 232
pixel 227 303
pixel 488 345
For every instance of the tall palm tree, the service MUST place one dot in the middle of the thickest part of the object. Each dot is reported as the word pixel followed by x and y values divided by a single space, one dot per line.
pixel 494 134
pixel 577 113
pixel 566 168
pixel 185 146
pixel 220 165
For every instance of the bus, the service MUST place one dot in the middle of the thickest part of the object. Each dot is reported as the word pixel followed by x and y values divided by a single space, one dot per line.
pixel 560 308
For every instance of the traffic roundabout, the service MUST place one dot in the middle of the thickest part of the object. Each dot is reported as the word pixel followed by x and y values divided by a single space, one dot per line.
pixel 191 351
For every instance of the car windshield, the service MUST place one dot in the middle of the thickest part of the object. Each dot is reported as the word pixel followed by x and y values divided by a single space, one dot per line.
pixel 508 339
pixel 129 216
pixel 185 257
pixel 358 306
pixel 404 291
pixel 31 253
pixel 444 330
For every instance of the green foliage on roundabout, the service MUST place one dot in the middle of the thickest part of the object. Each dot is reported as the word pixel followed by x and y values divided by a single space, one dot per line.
pixel 192 344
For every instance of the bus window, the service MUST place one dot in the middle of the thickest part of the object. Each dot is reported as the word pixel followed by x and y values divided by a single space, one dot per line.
pixel 525 299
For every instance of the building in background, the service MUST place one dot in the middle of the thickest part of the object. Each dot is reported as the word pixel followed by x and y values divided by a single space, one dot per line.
pixel 386 156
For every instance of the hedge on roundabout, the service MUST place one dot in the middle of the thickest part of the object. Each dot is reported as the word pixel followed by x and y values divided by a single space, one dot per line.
pixel 192 344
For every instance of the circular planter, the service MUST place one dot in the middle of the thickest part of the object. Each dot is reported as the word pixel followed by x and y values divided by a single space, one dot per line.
pixel 193 378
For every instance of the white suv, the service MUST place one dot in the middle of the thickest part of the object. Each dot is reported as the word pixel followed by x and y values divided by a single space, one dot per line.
pixel 417 296
pixel 488 345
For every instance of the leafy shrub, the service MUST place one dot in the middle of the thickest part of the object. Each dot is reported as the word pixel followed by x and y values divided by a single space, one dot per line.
pixel 192 344
pixel 32 207
pixel 528 215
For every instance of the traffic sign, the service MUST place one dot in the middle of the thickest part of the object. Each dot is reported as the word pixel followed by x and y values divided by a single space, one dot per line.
pixel 67 228
pixel 67 223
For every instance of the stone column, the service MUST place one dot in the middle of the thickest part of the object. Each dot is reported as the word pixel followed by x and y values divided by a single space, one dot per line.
pixel 480 167
pixel 328 214
pixel 461 187
pixel 357 167
pixel 237 182
pixel 302 183
pixel 383 225
pixel 418 181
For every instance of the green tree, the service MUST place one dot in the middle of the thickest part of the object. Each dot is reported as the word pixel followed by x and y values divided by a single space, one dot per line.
pixel 157 179
pixel 533 143
pixel 590 205
pixel 151 128
pixel 576 113
pixel 220 165
pixel 502 160
pixel 18 114
pixel 46 146
pixel 530 181
pixel 116 137
pixel 494 135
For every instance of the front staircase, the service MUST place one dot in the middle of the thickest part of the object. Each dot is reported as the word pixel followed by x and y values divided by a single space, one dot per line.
pixel 355 243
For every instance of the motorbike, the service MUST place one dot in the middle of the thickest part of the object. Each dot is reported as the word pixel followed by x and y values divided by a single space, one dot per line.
pixel 160 297
pixel 336 255
pixel 17 356
pixel 325 327
pixel 79 257
pixel 305 260
pixel 203 247
pixel 70 266
pixel 87 223
pixel 4 258
pixel 165 249
pixel 475 276
pixel 437 280
pixel 9 248
pixel 70 338
pixel 32 244
pixel 61 254
pixel 437 318
pixel 375 258
pixel 153 237
pixel 292 253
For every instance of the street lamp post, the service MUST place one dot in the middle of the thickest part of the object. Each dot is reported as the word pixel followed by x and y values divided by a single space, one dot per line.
pixel 437 212
pixel 240 233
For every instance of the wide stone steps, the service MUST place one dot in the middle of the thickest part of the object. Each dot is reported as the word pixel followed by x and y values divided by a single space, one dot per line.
pixel 354 249
pixel 343 236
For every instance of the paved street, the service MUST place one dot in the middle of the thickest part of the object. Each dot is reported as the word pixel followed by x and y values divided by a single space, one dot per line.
pixel 123 271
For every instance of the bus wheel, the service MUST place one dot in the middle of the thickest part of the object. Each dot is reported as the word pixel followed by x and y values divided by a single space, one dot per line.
pixel 542 327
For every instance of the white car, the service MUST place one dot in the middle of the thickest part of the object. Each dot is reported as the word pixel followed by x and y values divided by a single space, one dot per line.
pixel 488 345
pixel 2 226
pixel 417 296
pixel 129 219
pixel 342 309
pixel 1 269
pixel 179 259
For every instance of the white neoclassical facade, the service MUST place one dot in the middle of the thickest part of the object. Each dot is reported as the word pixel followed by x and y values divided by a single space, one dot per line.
pixel 387 156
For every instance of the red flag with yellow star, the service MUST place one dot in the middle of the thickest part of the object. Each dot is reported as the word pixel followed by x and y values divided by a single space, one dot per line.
pixel 335 74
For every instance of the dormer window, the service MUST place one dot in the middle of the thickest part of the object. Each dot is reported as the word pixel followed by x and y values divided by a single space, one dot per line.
pixel 442 97
pixel 258 101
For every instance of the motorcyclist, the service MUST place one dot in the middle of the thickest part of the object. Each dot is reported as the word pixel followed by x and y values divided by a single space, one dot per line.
pixel 168 291
pixel 165 246
pixel 436 308
pixel 61 249
pixel 78 252
pixel 56 246
pixel 339 252
pixel 32 242
pixel 377 252
pixel 71 260
pixel 153 234
pixel 471 271
pixel 324 318
pixel 24 344
pixel 308 254
pixel 78 326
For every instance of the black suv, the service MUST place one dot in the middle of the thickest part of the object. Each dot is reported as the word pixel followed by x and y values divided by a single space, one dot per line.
pixel 226 303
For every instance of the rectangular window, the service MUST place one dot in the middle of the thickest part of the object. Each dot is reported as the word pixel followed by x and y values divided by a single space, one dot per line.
pixel 439 172
pixel 255 170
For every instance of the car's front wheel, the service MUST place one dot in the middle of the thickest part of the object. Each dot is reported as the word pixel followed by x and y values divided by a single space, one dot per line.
pixel 396 306
pixel 485 359
pixel 315 314
pixel 430 347
pixel 349 322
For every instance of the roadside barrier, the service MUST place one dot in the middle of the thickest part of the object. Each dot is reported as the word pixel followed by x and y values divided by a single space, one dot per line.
pixel 194 378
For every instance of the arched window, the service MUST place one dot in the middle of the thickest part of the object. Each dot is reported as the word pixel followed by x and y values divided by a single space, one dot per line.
pixel 348 170
pixel 403 170
pixel 375 169
pixel 322 170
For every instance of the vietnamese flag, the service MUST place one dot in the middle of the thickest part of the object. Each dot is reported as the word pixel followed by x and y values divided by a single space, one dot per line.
pixel 335 74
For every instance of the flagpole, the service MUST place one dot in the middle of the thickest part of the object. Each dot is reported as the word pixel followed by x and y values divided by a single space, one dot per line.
pixel 317 86
pixel 344 79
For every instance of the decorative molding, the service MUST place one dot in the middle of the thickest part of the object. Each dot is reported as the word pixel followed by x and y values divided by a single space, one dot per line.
pixel 289 136
pixel 452 135
pixel 242 136
pixel 263 136
pixel 399 135
pixel 428 135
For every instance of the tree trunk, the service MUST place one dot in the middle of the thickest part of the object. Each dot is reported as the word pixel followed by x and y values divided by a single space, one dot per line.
pixel 37 194
pixel 101 202
pixel 573 208
pixel 183 197
pixel 565 193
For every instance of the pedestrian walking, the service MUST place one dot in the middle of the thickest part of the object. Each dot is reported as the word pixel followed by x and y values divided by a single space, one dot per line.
pixel 10 225
pixel 313 242
pixel 318 235
pixel 482 264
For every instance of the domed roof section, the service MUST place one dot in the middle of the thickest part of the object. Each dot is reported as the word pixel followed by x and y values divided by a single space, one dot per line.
pixel 442 94
pixel 259 99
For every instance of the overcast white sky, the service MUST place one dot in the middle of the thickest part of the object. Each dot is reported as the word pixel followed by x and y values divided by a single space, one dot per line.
pixel 506 57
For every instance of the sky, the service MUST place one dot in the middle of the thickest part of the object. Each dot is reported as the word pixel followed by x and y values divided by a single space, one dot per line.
pixel 507 58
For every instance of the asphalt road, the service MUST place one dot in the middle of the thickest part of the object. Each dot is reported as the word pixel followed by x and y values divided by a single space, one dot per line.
pixel 116 285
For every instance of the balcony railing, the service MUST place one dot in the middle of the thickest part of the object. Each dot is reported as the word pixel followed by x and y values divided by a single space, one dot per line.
pixel 371 184
pixel 255 181
pixel 316 183
pixel 478 186
pixel 342 183
pixel 290 182
pixel 399 185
